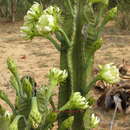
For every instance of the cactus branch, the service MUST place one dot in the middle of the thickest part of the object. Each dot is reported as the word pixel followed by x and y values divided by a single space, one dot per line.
pixel 98 17
pixel 4 97
pixel 74 22
pixel 71 9
pixel 54 42
pixel 65 36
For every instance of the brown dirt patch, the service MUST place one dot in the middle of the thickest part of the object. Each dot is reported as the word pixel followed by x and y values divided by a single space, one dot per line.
pixel 39 56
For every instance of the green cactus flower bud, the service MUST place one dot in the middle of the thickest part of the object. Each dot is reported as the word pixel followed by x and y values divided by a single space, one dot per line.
pixel 97 44
pixel 46 24
pixel 94 121
pixel 51 117
pixel 109 73
pixel 27 87
pixel 8 115
pixel 67 123
pixel 35 117
pixel 13 69
pixel 111 14
pixel 98 1
pixel 57 75
pixel 12 65
pixel 76 102
pixel 14 124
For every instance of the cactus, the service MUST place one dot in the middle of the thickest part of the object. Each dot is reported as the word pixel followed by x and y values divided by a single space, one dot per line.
pixel 76 101
pixel 35 116
pixel 79 38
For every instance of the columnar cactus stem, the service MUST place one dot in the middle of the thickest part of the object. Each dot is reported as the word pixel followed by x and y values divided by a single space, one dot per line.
pixel 65 88
pixel 79 37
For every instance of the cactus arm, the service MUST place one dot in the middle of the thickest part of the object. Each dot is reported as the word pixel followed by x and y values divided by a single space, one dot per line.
pixel 4 97
pixel 74 22
pixel 65 88
pixel 13 69
pixel 68 42
pixel 51 87
pixel 109 16
pixel 70 6
pixel 14 84
pixel 20 85
pixel 54 42
pixel 99 16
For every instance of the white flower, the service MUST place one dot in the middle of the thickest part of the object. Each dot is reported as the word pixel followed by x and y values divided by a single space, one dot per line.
pixel 52 10
pixel 57 75
pixel 55 12
pixel 94 121
pixel 27 31
pixel 33 13
pixel 76 102
pixel 46 24
pixel 31 18
pixel 109 73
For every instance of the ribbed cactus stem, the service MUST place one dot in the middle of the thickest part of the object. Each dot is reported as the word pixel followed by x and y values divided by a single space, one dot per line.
pixel 65 88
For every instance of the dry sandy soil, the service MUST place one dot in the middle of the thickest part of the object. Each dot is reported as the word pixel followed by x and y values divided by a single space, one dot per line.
pixel 36 57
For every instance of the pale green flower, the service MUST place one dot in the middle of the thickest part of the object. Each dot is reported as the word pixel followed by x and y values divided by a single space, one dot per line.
pixel 53 10
pixel 33 13
pixel 94 121
pixel 57 75
pixel 109 73
pixel 76 101
pixel 28 31
pixel 56 13
pixel 46 24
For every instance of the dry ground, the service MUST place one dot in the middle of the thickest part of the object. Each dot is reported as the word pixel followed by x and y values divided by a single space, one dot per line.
pixel 36 57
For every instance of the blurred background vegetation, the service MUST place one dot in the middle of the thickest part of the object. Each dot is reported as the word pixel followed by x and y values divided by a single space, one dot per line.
pixel 13 10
